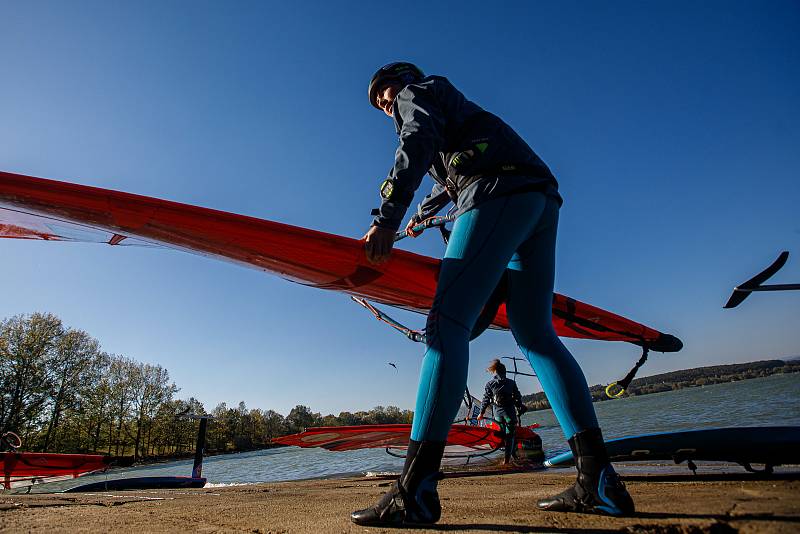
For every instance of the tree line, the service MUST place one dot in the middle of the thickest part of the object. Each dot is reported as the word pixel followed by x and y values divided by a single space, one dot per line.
pixel 62 393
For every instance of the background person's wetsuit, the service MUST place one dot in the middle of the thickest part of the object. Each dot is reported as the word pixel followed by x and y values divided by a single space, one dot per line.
pixel 504 395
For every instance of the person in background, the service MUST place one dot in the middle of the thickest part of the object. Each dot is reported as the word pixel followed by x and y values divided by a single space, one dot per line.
pixel 507 206
pixel 504 394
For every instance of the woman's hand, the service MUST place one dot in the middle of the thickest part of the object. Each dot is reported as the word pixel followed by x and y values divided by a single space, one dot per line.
pixel 378 244
pixel 412 222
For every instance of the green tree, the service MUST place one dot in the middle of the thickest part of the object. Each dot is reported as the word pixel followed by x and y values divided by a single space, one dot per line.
pixel 121 375
pixel 26 346
pixel 150 388
pixel 274 425
pixel 73 366
pixel 300 418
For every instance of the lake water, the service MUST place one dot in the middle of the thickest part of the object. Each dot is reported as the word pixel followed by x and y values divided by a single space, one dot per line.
pixel 769 401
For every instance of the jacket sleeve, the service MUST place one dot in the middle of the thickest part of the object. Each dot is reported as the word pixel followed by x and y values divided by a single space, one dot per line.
pixel 433 203
pixel 421 137
pixel 487 397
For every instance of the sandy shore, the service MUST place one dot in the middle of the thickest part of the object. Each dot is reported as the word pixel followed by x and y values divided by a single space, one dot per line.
pixel 489 503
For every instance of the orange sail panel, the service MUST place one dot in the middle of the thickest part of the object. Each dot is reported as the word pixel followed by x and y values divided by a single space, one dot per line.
pixel 36 208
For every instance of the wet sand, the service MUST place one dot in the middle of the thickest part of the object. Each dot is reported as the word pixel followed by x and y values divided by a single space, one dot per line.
pixel 486 503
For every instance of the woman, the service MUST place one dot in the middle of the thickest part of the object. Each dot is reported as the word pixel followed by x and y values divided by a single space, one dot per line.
pixel 508 202
pixel 504 394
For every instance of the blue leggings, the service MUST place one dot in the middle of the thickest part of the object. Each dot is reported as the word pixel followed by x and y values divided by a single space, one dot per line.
pixel 518 233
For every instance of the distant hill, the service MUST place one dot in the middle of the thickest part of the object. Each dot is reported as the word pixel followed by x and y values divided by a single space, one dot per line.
pixel 700 376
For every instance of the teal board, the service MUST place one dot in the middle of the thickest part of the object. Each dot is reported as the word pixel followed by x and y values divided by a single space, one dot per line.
pixel 770 446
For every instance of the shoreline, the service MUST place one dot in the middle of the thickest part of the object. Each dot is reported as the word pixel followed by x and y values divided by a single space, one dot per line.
pixel 479 502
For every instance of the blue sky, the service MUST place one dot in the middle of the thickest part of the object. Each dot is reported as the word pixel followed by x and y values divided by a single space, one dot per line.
pixel 672 127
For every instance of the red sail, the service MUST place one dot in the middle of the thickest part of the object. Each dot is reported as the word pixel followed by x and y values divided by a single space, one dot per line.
pixel 22 468
pixel 36 208
pixel 350 438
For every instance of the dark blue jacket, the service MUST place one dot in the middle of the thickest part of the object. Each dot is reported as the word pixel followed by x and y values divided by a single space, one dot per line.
pixel 471 154
pixel 503 393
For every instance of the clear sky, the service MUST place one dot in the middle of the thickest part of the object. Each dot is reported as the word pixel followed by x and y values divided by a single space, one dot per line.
pixel 673 128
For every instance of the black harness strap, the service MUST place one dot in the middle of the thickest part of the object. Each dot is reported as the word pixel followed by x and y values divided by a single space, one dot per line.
pixel 611 389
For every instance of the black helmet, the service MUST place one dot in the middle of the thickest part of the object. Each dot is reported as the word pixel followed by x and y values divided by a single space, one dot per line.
pixel 399 71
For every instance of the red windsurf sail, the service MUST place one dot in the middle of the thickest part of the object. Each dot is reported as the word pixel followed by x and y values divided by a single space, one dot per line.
pixel 36 208
pixel 25 468
pixel 350 438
